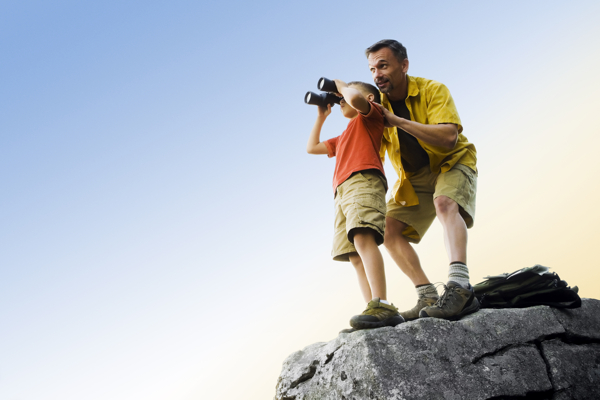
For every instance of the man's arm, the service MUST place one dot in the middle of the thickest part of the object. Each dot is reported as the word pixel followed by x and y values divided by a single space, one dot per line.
pixel 314 145
pixel 353 97
pixel 443 135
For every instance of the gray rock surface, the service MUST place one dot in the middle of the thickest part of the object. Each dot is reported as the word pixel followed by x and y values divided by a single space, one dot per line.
pixel 528 353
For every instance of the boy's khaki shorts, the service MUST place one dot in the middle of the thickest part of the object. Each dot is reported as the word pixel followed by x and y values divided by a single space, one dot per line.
pixel 459 184
pixel 359 203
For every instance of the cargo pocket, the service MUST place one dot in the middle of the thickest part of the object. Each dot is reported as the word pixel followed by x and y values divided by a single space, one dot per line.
pixel 370 211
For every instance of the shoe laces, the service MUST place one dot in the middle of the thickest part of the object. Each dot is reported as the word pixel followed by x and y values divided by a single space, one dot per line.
pixel 448 293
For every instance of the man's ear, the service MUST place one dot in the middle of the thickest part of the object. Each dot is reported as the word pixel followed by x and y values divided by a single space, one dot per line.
pixel 405 65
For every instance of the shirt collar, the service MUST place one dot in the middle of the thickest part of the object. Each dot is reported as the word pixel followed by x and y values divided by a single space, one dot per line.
pixel 412 90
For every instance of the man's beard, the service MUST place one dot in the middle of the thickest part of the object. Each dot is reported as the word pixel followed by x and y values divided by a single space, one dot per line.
pixel 388 89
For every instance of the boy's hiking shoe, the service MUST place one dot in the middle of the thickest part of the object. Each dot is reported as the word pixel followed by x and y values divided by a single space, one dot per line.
pixel 413 313
pixel 377 315
pixel 455 303
pixel 348 330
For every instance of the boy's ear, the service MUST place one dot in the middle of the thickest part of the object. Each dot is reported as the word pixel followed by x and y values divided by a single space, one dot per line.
pixel 370 97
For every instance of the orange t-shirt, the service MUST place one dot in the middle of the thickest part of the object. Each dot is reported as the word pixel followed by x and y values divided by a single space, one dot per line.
pixel 357 148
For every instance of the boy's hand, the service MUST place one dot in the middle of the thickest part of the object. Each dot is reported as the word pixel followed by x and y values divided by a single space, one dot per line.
pixel 339 84
pixel 324 112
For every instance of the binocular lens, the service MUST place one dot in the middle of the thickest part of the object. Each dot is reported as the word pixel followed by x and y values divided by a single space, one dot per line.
pixel 321 83
pixel 321 99
pixel 327 85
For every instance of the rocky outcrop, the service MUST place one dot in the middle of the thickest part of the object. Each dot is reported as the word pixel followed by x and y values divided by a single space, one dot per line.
pixel 529 353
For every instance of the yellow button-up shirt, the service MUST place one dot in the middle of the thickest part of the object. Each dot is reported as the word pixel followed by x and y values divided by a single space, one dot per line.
pixel 429 102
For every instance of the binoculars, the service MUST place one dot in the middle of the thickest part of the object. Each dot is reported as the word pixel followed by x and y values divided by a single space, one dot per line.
pixel 322 99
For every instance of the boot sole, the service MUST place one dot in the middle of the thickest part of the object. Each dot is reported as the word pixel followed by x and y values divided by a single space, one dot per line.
pixel 470 309
pixel 392 321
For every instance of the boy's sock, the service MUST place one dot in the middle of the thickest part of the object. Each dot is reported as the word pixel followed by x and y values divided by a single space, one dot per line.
pixel 427 290
pixel 459 273
pixel 385 302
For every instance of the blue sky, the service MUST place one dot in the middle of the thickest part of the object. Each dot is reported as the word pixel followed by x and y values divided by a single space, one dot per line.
pixel 162 229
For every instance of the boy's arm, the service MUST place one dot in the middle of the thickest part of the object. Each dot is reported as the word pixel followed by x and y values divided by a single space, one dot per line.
pixel 314 145
pixel 443 135
pixel 353 97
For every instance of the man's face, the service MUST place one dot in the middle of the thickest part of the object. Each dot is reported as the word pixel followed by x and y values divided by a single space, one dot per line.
pixel 388 73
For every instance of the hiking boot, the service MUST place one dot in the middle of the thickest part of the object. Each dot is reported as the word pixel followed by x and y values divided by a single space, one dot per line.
pixel 348 330
pixel 377 315
pixel 455 303
pixel 422 302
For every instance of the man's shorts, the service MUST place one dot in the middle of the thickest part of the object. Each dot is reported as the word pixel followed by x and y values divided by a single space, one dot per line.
pixel 459 184
pixel 359 203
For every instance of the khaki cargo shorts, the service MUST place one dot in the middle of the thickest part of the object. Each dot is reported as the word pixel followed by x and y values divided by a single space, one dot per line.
pixel 359 203
pixel 459 184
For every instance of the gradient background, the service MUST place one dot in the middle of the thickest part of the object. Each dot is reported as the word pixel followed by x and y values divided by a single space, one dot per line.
pixel 163 233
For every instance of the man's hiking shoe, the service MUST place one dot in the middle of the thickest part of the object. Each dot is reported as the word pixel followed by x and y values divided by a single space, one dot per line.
pixel 455 303
pixel 413 313
pixel 377 315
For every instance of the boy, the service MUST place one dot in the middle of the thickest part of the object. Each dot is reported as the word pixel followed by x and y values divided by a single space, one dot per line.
pixel 359 186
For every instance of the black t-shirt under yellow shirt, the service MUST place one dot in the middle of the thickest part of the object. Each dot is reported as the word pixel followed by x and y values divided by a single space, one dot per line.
pixel 414 157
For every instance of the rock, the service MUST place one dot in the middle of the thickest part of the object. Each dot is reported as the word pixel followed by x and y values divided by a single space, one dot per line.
pixel 583 322
pixel 535 352
pixel 574 369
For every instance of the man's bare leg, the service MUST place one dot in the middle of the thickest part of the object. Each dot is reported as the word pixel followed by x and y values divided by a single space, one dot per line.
pixel 406 258
pixel 463 300
pixel 455 228
pixel 402 252
pixel 363 282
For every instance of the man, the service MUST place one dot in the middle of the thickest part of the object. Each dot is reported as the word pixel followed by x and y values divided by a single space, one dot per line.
pixel 436 167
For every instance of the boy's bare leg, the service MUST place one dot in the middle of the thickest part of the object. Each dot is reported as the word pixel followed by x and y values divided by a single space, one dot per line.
pixel 366 246
pixel 402 252
pixel 363 282
pixel 378 312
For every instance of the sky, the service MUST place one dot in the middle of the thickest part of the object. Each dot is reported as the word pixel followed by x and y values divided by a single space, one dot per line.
pixel 163 233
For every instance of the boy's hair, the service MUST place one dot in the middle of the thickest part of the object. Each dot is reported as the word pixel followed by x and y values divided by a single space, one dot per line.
pixel 368 88
pixel 395 46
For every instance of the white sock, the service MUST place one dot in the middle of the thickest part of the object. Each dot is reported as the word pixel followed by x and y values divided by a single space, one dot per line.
pixel 427 290
pixel 384 302
pixel 459 273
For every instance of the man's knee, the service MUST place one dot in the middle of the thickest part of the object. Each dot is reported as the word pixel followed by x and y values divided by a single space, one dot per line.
pixel 393 231
pixel 445 206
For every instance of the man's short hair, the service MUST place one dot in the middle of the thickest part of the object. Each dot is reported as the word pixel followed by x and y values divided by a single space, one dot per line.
pixel 395 46
pixel 368 88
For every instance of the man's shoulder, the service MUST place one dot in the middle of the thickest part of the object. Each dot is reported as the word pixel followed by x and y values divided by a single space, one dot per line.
pixel 426 84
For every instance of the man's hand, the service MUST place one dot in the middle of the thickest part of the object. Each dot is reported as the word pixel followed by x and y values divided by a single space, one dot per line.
pixel 386 113
pixel 443 135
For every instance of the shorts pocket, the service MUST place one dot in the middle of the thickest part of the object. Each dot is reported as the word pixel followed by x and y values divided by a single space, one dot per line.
pixel 370 209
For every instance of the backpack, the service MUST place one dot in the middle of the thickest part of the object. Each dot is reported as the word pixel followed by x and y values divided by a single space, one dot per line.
pixel 526 287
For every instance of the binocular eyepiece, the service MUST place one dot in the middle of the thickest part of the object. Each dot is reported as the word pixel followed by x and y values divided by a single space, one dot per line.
pixel 322 99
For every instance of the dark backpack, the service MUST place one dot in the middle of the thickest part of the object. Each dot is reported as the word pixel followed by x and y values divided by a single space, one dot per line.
pixel 526 287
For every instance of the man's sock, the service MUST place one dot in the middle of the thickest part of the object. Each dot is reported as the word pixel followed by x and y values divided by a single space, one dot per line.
pixel 459 273
pixel 427 290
